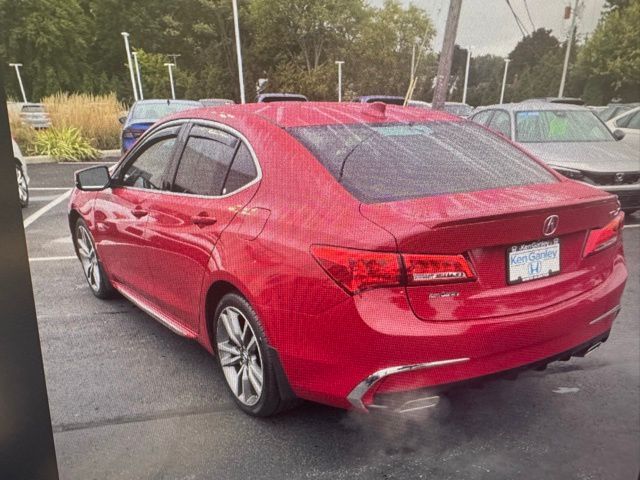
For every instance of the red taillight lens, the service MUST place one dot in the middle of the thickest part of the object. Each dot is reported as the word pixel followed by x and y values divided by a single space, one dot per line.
pixel 357 270
pixel 423 269
pixel 604 237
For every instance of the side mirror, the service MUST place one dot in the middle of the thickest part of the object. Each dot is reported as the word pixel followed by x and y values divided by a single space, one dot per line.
pixel 122 119
pixel 93 179
pixel 618 134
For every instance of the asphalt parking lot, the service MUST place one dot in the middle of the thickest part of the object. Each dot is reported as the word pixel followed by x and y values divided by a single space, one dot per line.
pixel 129 399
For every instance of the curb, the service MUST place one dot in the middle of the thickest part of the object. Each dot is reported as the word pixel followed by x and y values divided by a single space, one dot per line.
pixel 104 156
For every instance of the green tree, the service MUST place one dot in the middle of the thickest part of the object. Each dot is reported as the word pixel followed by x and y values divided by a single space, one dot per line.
pixel 610 59
pixel 50 38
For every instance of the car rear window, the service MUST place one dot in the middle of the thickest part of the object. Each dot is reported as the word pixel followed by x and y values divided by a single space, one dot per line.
pixel 388 162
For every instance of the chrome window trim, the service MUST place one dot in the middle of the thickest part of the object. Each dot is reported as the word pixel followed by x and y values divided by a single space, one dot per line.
pixel 356 395
pixel 225 128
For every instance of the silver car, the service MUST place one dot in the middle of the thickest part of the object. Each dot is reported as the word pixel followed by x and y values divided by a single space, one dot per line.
pixel 573 141
pixel 21 174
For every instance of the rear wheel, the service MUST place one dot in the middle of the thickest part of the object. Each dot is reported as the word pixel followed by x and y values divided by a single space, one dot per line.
pixel 93 272
pixel 244 357
pixel 23 187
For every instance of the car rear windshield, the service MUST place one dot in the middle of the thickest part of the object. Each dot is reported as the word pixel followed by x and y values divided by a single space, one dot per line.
pixel 388 162
pixel 157 110
pixel 560 126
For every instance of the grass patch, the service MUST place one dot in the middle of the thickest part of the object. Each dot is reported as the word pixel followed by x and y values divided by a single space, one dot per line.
pixel 94 116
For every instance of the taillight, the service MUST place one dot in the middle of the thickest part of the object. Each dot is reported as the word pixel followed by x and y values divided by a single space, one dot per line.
pixel 357 270
pixel 437 269
pixel 604 237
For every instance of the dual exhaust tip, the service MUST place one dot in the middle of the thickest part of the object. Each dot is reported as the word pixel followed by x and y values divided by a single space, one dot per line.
pixel 431 401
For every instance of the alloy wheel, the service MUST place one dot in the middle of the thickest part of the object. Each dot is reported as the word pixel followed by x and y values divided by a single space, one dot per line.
pixel 240 356
pixel 88 258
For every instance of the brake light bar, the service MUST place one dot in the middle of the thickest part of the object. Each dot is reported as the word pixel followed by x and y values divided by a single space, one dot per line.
pixel 358 270
pixel 602 238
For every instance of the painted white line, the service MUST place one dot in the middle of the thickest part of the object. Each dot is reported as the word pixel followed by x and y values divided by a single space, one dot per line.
pixel 631 226
pixel 42 198
pixel 36 215
pixel 45 189
pixel 51 259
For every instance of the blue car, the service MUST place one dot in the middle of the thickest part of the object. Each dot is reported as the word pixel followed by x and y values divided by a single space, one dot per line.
pixel 145 113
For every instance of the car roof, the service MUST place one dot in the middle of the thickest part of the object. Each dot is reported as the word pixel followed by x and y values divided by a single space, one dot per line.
pixel 299 114
pixel 532 105
pixel 165 100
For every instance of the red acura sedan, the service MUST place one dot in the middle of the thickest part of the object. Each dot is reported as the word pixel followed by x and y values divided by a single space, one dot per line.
pixel 358 255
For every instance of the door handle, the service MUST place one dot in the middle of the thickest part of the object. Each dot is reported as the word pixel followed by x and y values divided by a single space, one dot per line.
pixel 203 220
pixel 139 212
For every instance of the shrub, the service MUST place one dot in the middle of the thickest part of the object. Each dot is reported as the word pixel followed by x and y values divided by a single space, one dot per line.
pixel 64 143
pixel 95 116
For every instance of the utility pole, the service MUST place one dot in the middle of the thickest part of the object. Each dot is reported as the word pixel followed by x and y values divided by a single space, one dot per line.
pixel 236 27
pixel 446 55
pixel 568 50
pixel 125 35
pixel 466 75
pixel 170 66
pixel 504 78
pixel 339 63
pixel 17 67
pixel 135 61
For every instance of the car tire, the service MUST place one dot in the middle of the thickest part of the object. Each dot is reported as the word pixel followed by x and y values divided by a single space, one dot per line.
pixel 23 186
pixel 91 265
pixel 245 357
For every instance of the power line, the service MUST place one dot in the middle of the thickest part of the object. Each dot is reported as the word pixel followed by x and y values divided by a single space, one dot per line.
pixel 521 26
pixel 526 6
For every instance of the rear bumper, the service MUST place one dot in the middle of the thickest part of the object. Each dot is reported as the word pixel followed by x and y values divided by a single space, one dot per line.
pixel 373 344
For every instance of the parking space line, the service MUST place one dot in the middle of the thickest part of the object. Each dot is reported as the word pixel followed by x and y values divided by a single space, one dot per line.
pixel 36 215
pixel 44 189
pixel 631 226
pixel 51 259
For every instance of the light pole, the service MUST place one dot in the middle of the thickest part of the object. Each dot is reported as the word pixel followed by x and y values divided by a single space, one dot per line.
pixel 125 35
pixel 568 51
pixel 17 67
pixel 170 66
pixel 135 61
pixel 339 63
pixel 236 27
pixel 466 74
pixel 504 78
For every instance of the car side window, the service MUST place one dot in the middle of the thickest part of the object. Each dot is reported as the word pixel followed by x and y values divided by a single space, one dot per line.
pixel 205 162
pixel 632 121
pixel 483 117
pixel 501 123
pixel 243 170
pixel 148 168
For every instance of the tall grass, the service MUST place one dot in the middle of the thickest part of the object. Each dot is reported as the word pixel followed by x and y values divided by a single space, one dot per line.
pixel 95 116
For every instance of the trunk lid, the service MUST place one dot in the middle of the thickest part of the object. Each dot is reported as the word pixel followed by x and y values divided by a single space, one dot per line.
pixel 483 226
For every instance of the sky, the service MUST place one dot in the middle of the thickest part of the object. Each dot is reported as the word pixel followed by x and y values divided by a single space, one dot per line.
pixel 489 25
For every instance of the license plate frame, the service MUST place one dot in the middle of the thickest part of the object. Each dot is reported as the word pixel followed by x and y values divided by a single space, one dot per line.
pixel 538 260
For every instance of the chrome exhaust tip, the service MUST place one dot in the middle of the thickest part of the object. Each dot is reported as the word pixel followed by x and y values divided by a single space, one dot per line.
pixel 592 348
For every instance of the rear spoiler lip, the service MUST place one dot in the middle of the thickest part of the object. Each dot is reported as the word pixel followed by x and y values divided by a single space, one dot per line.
pixel 579 202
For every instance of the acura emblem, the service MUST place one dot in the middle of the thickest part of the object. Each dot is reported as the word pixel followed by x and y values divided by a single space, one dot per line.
pixel 619 177
pixel 550 225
